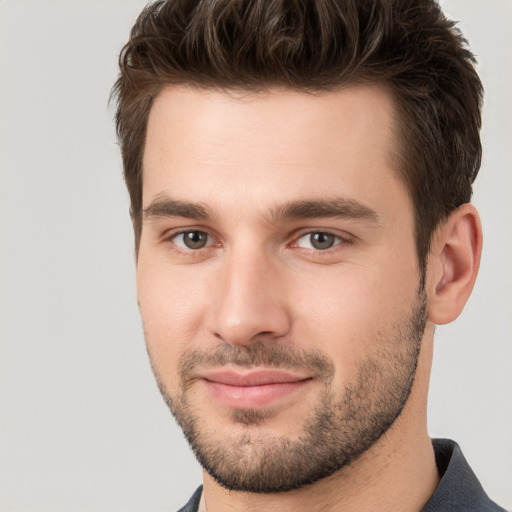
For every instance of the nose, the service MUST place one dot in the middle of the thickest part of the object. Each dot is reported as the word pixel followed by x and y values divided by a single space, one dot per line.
pixel 249 303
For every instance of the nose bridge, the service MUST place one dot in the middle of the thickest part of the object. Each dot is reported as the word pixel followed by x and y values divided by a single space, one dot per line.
pixel 249 302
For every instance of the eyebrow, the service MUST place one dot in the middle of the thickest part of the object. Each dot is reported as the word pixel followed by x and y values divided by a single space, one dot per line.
pixel 162 207
pixel 338 208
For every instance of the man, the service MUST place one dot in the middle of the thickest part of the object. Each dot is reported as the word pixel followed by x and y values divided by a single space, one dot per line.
pixel 300 176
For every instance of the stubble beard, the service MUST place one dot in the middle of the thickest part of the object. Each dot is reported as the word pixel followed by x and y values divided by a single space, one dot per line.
pixel 336 433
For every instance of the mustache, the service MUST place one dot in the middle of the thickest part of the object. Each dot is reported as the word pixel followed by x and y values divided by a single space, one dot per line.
pixel 273 355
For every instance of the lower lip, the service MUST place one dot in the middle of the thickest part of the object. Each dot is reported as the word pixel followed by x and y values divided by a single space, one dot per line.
pixel 251 397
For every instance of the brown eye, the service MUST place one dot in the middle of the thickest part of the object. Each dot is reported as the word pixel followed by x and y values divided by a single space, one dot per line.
pixel 318 240
pixel 191 239
pixel 322 241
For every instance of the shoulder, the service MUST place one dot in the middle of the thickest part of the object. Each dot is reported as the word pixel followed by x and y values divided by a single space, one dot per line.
pixel 193 503
pixel 459 488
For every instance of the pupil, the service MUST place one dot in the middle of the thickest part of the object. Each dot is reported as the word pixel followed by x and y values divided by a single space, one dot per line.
pixel 195 239
pixel 322 240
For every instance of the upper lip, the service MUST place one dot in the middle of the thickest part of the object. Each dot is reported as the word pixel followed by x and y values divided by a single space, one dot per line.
pixel 252 377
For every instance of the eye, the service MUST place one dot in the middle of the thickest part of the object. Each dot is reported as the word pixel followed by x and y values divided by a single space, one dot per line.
pixel 192 239
pixel 318 240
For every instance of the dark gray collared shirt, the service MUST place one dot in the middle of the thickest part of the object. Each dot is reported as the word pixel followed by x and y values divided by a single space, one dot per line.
pixel 458 491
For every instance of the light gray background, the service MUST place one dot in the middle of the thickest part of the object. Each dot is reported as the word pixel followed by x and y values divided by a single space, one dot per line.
pixel 82 425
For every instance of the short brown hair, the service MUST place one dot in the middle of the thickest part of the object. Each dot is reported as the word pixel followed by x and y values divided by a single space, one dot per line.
pixel 317 45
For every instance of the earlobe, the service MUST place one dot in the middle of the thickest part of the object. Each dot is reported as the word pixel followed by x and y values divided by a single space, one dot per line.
pixel 453 264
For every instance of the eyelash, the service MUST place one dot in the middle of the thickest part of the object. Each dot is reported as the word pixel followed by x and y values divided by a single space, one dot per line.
pixel 188 251
pixel 340 240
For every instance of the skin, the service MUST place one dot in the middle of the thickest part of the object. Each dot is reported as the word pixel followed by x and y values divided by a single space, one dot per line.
pixel 259 280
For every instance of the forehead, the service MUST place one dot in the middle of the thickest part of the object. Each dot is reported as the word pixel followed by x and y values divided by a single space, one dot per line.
pixel 279 145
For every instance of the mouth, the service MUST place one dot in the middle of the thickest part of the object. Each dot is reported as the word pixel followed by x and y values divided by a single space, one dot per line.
pixel 254 389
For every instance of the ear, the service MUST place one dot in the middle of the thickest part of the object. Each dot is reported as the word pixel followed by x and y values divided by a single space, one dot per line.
pixel 132 217
pixel 136 232
pixel 453 264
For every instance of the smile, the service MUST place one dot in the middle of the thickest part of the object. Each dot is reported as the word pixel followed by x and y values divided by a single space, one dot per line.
pixel 255 389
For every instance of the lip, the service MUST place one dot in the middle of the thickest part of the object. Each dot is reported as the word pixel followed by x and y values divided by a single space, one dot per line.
pixel 253 389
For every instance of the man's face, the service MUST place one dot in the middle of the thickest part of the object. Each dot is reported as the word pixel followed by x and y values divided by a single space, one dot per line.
pixel 277 278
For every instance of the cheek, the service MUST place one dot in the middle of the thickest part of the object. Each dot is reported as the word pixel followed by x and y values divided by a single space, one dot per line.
pixel 171 315
pixel 349 314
